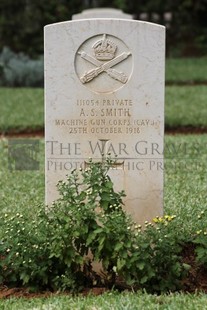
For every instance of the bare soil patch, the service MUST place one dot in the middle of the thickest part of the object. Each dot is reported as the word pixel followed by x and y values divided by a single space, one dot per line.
pixel 40 132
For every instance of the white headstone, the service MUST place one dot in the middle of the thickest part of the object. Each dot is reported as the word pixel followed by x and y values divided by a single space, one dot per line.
pixel 102 13
pixel 104 93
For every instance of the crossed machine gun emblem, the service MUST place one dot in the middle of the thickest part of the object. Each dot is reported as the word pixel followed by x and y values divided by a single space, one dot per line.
pixel 104 51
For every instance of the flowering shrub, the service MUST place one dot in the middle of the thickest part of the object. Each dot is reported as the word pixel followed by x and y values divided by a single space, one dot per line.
pixel 24 250
pixel 87 224
pixel 155 263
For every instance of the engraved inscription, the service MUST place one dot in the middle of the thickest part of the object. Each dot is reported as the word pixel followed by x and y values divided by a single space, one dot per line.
pixel 104 49
pixel 95 59
pixel 106 126
pixel 106 116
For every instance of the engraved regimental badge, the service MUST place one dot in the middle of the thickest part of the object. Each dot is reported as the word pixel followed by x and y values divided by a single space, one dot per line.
pixel 103 63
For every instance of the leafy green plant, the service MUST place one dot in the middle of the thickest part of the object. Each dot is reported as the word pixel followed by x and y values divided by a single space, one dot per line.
pixel 24 250
pixel 93 212
pixel 88 224
pixel 53 249
pixel 30 257
pixel 154 260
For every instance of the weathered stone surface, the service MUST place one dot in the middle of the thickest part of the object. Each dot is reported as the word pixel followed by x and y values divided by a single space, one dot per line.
pixel 104 93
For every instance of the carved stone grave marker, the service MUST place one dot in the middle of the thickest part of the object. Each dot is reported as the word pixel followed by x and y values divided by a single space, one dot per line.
pixel 104 93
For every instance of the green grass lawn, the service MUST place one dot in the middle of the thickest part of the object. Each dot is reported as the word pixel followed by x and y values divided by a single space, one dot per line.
pixel 112 301
pixel 22 190
pixel 186 69
pixel 186 106
pixel 185 188
pixel 23 109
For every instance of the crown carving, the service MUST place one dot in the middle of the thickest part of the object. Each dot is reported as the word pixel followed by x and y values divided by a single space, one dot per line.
pixel 104 49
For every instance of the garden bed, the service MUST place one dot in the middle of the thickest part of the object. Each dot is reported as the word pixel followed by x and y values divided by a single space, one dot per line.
pixel 195 282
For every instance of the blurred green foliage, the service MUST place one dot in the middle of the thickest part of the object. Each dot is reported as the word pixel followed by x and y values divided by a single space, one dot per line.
pixel 22 21
pixel 19 70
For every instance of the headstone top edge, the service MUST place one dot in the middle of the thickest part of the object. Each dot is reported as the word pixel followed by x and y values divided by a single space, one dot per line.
pixel 102 12
pixel 102 9
pixel 106 19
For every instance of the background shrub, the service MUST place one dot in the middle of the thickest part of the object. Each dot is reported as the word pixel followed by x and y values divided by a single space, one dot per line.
pixel 20 70
pixel 22 22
